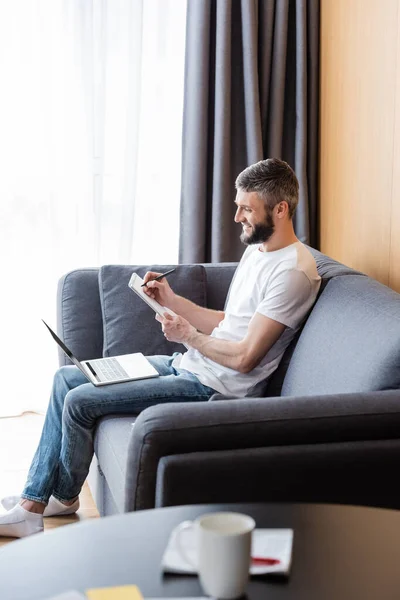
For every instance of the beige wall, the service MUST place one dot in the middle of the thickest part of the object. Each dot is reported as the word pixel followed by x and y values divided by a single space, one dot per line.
pixel 360 135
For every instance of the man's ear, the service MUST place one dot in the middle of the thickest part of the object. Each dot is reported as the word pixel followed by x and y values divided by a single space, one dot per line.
pixel 282 209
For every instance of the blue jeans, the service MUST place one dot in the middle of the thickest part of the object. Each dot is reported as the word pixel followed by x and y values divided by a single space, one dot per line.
pixel 62 459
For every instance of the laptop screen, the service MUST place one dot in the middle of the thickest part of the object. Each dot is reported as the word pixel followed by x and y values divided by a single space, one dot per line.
pixel 64 347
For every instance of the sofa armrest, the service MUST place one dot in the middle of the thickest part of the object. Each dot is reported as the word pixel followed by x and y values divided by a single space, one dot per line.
pixel 79 318
pixel 360 472
pixel 176 429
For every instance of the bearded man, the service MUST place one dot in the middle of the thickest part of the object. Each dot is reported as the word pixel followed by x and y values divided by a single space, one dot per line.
pixel 231 352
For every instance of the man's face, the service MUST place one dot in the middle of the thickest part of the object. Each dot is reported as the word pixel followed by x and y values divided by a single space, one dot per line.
pixel 255 217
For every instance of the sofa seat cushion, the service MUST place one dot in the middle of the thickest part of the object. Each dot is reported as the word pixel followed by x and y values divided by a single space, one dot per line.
pixel 111 448
pixel 129 324
pixel 350 343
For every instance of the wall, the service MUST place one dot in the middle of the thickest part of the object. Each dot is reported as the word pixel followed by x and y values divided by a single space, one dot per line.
pixel 360 136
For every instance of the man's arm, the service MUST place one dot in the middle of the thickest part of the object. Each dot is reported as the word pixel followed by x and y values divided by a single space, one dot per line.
pixel 202 319
pixel 242 356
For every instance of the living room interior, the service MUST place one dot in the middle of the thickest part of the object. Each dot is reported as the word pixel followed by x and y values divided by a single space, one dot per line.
pixel 125 124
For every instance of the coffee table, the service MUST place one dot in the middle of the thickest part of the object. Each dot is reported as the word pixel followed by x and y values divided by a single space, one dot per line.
pixel 339 553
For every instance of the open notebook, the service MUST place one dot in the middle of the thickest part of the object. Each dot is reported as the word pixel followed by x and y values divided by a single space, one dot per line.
pixel 135 283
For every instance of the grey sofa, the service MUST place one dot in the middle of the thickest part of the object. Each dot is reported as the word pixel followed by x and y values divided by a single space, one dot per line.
pixel 326 429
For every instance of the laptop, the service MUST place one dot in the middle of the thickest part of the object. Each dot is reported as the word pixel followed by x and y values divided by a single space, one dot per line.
pixel 116 369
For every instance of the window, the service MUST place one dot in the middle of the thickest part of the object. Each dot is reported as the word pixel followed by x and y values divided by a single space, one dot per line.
pixel 90 147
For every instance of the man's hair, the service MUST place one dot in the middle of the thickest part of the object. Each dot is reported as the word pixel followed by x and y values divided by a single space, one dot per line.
pixel 273 180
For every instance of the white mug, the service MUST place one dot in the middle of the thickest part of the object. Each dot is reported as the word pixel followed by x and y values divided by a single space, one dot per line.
pixel 223 542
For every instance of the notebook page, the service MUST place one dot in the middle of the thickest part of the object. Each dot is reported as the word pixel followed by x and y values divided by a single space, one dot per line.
pixel 135 284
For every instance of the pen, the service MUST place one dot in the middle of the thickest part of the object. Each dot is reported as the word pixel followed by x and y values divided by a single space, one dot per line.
pixel 159 277
pixel 258 560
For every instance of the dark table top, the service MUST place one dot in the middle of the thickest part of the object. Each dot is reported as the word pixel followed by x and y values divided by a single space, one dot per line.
pixel 339 553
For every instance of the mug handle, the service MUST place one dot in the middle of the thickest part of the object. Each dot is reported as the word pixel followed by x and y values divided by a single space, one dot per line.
pixel 181 550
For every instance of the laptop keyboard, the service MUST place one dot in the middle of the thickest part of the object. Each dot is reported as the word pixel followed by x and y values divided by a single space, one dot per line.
pixel 109 369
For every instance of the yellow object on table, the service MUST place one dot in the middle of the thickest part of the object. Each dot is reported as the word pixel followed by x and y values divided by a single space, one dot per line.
pixel 121 592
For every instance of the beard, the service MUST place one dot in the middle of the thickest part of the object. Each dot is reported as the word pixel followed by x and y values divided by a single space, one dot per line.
pixel 260 233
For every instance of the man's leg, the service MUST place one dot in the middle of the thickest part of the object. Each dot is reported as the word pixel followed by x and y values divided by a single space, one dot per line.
pixel 86 404
pixel 27 518
pixel 66 447
pixel 44 467
pixel 43 471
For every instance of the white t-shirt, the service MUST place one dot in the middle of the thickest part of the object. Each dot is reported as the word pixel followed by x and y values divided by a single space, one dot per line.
pixel 281 285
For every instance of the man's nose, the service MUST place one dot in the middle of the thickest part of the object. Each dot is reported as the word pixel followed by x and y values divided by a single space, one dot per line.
pixel 238 215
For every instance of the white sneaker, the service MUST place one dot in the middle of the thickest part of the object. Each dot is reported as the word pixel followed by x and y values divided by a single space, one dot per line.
pixel 53 509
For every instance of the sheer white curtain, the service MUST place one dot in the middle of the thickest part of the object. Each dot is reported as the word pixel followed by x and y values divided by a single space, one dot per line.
pixel 90 152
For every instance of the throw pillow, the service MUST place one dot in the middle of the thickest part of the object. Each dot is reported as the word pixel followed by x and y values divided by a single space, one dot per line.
pixel 129 324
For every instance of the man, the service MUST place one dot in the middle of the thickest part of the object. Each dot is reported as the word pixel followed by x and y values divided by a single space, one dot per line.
pixel 231 352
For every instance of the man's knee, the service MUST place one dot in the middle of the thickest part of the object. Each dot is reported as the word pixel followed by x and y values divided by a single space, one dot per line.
pixel 61 385
pixel 61 374
pixel 76 402
pixel 68 376
pixel 71 402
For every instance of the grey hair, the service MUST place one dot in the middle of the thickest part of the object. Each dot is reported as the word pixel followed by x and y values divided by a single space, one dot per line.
pixel 274 180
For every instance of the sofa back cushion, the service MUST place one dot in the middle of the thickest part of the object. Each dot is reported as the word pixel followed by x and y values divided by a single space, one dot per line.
pixel 219 279
pixel 327 269
pixel 129 324
pixel 350 342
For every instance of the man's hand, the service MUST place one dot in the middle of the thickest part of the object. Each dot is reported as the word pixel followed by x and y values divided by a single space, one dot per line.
pixel 159 290
pixel 176 329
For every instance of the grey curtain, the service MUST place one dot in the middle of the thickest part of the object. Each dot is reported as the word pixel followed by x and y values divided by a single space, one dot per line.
pixel 251 92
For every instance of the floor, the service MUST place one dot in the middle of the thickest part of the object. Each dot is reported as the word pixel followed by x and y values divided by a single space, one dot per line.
pixel 19 437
